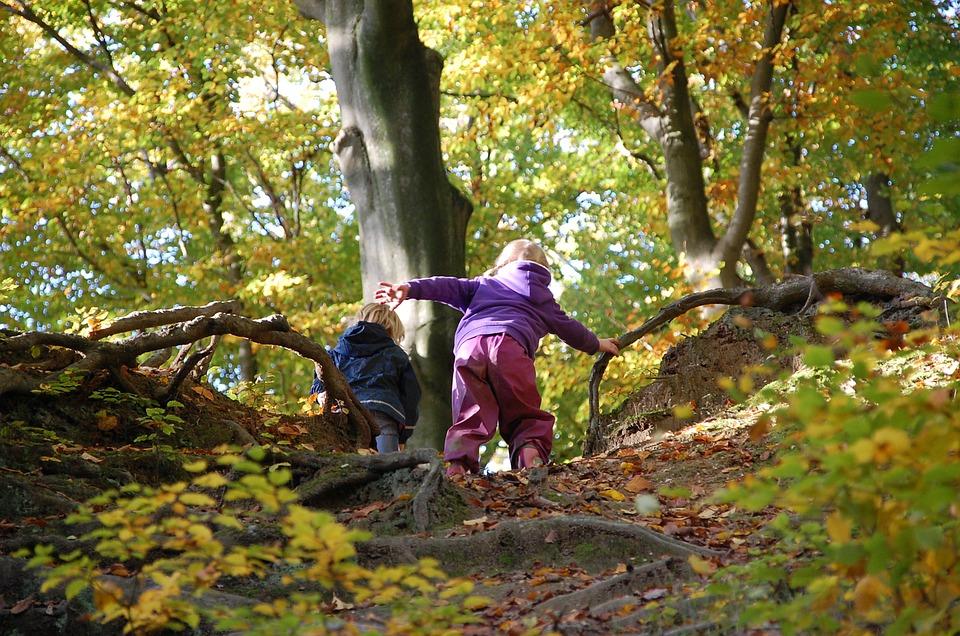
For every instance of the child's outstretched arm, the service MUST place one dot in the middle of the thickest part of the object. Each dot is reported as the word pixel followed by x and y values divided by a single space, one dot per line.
pixel 449 290
pixel 576 335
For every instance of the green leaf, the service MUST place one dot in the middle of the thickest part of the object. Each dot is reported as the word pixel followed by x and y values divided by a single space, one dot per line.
pixel 818 356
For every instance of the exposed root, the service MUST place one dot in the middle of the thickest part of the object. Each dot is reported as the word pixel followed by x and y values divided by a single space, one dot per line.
pixel 201 322
pixel 592 543
pixel 335 474
pixel 660 572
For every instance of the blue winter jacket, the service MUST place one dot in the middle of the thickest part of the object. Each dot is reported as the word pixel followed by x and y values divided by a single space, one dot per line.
pixel 379 372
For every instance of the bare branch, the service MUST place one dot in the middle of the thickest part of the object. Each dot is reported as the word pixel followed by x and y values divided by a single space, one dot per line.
pixel 789 293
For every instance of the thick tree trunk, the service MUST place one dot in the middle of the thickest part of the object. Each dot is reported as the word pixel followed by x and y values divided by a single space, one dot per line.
pixel 670 124
pixel 412 220
pixel 687 215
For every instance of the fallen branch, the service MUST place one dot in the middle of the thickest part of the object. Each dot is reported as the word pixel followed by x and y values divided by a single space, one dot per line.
pixel 793 292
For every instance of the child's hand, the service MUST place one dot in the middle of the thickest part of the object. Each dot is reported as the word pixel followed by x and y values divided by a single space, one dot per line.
pixel 392 294
pixel 609 345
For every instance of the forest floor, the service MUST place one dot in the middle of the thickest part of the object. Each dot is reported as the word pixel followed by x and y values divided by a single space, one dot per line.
pixel 593 579
pixel 619 542
pixel 564 548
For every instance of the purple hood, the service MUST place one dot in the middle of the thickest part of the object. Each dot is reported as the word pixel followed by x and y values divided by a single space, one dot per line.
pixel 516 301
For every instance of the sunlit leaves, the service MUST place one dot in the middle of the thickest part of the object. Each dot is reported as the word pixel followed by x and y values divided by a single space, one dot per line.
pixel 175 536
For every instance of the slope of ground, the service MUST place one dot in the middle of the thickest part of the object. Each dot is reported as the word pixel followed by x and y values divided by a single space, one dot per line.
pixel 614 543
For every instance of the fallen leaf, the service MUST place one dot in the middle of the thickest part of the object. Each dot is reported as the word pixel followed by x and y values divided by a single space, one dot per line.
pixel 612 494
pixel 707 513
pixel 760 428
pixel 653 594
pixel 106 421
pixel 638 484
pixel 479 521
pixel 338 605
pixel 202 390
pixel 117 569
pixel 22 605
pixel 90 458
pixel 701 566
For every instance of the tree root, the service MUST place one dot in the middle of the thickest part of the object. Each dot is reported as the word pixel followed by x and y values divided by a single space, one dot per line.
pixel 799 292
pixel 594 597
pixel 337 475
pixel 202 322
pixel 592 543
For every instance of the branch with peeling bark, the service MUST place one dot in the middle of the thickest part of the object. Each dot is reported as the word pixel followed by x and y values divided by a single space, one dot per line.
pixel 178 326
pixel 797 293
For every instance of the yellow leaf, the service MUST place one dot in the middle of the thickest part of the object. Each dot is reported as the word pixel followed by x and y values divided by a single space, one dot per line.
pixel 701 566
pixel 889 443
pixel 862 450
pixel 476 602
pixel 838 528
pixel 106 422
pixel 615 495
pixel 195 467
pixel 106 595
pixel 869 590
pixel 683 411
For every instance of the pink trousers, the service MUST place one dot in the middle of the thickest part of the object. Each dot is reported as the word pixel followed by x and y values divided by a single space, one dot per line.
pixel 494 381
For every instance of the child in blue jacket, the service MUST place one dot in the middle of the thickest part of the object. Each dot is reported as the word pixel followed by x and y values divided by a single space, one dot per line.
pixel 379 373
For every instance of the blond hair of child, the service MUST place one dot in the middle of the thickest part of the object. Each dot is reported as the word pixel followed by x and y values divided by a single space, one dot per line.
pixel 383 316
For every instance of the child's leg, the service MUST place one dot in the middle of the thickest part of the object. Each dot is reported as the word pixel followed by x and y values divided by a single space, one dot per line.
pixel 526 427
pixel 388 441
pixel 475 410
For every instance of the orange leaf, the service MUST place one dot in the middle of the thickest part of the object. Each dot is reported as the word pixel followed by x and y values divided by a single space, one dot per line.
pixel 638 484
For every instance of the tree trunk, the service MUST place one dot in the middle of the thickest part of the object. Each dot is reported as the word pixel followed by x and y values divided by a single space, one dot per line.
pixel 796 234
pixel 670 123
pixel 759 116
pixel 880 211
pixel 412 220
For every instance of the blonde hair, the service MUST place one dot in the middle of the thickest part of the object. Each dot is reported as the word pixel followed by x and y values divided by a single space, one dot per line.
pixel 385 317
pixel 519 250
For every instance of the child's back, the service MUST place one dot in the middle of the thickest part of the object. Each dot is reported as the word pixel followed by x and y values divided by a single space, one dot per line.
pixel 381 376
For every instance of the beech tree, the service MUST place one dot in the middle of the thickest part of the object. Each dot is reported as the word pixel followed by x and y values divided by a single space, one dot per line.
pixel 412 220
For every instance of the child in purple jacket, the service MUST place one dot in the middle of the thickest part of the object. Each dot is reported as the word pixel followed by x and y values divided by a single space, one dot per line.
pixel 506 312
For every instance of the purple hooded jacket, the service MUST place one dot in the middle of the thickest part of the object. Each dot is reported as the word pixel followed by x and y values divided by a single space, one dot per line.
pixel 516 301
